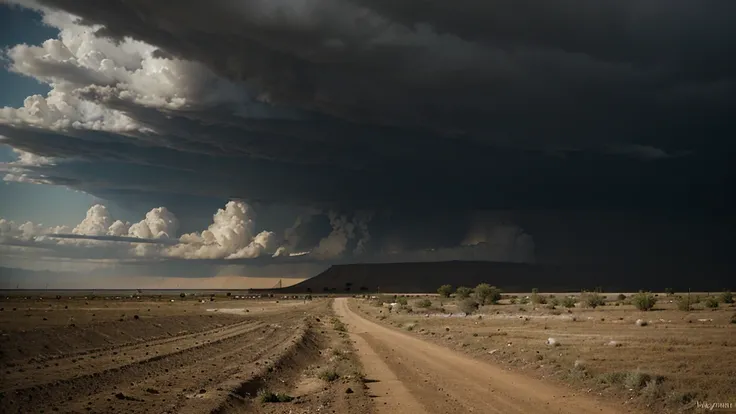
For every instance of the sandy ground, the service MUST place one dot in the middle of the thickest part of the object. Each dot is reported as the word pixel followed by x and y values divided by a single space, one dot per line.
pixel 417 376
pixel 133 356
pixel 677 360
pixel 219 355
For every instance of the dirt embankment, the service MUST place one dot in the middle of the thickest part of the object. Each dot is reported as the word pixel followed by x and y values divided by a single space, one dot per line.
pixel 171 363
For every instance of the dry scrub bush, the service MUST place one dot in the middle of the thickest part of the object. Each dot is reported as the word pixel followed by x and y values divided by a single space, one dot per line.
pixel 468 305
pixel 644 301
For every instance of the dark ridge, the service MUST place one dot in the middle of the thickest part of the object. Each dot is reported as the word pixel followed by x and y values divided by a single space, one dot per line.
pixel 426 277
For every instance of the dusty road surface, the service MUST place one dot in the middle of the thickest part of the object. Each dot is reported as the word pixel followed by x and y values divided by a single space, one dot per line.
pixel 413 375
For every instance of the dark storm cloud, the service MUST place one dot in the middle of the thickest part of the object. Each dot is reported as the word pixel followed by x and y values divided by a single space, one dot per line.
pixel 531 73
pixel 419 111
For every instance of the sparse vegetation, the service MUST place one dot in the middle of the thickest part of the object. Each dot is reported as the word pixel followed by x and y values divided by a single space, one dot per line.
pixel 486 294
pixel 401 300
pixel 445 291
pixel 612 378
pixel 636 379
pixel 683 304
pixel 468 305
pixel 328 375
pixel 338 325
pixel 653 390
pixel 592 299
pixel 536 298
pixel 727 297
pixel 463 292
pixel 267 396
pixel 568 302
pixel 424 303
pixel 711 302
pixel 644 301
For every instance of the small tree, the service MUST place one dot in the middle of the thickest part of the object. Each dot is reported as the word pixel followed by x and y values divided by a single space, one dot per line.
pixel 468 305
pixel 463 292
pixel 445 291
pixel 727 297
pixel 486 294
pixel 644 301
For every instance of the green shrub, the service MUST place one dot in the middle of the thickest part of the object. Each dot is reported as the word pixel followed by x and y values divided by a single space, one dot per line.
pixel 727 297
pixel 445 291
pixel 524 300
pixel 401 300
pixel 468 305
pixel 711 302
pixel 513 301
pixel 644 301
pixel 554 301
pixel 463 292
pixel 486 294
pixel 621 297
pixel 424 303
pixel 568 302
pixel 267 396
pixel 592 300
pixel 669 291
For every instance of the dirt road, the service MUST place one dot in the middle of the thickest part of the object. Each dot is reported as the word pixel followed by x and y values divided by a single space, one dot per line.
pixel 412 375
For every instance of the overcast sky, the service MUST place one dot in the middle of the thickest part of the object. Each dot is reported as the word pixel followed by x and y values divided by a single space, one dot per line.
pixel 262 133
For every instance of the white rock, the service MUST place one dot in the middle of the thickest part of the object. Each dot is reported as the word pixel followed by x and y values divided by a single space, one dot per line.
pixel 641 322
pixel 552 342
